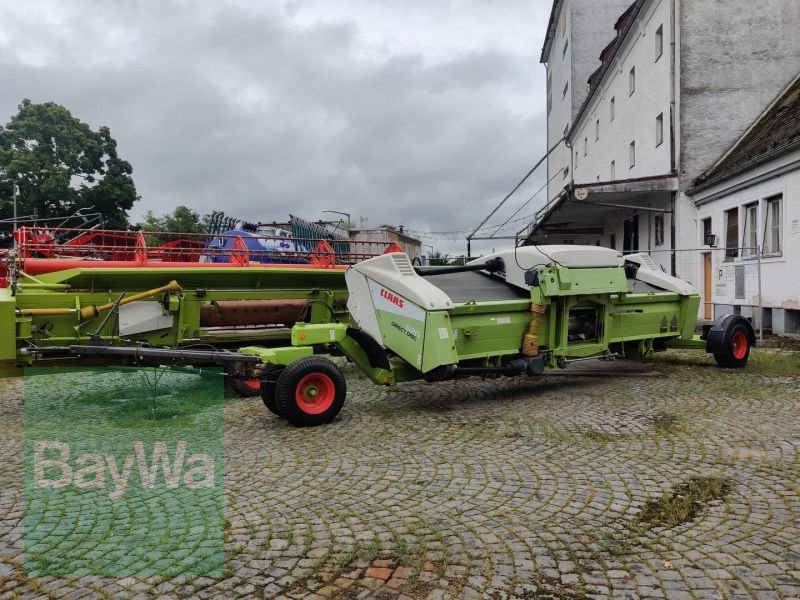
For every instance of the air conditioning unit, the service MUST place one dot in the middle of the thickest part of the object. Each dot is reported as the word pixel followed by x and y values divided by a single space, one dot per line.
pixel 711 240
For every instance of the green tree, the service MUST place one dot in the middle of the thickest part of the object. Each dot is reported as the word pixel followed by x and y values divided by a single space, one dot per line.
pixel 61 165
pixel 182 220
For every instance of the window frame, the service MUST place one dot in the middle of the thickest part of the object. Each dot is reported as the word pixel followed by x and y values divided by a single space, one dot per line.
pixel 632 80
pixel 658 230
pixel 632 154
pixel 770 216
pixel 585 145
pixel 659 129
pixel 731 250
pixel 708 229
pixel 597 130
pixel 612 106
pixel 659 41
pixel 750 229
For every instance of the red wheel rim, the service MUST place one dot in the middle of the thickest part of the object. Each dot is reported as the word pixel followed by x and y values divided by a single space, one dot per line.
pixel 739 345
pixel 315 393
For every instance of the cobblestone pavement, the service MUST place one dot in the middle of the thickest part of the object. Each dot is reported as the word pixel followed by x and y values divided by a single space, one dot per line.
pixel 493 489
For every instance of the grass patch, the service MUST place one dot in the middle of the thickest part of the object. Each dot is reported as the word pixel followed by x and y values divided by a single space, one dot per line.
pixel 762 361
pixel 686 502
pixel 667 423
pixel 682 505
pixel 601 437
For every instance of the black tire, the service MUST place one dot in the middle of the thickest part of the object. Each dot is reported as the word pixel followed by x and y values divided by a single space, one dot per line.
pixel 268 396
pixel 737 349
pixel 310 392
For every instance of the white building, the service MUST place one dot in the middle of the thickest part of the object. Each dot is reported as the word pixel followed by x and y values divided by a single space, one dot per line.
pixel 677 84
pixel 749 200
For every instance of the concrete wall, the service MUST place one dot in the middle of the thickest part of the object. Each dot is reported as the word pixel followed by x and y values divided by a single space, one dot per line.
pixel 780 285
pixel 373 241
pixel 634 114
pixel 736 56
pixel 559 73
pixel 589 27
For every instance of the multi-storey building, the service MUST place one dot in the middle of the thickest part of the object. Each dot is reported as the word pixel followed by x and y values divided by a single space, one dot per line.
pixel 677 83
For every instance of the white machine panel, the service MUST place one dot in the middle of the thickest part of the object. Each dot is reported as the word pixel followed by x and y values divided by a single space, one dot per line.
pixel 140 317
pixel 524 258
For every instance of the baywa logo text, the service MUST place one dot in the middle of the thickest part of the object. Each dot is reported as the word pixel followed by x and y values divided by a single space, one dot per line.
pixel 55 466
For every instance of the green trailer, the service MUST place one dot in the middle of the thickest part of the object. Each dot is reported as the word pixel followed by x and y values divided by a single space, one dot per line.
pixel 516 313
pixel 167 315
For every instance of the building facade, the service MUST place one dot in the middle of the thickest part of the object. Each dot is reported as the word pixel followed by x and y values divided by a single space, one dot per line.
pixel 374 240
pixel 674 85
pixel 748 207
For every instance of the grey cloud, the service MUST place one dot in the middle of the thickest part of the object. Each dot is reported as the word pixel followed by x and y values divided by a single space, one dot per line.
pixel 225 108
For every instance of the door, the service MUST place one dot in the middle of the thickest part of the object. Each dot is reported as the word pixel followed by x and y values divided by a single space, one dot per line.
pixel 630 235
pixel 708 307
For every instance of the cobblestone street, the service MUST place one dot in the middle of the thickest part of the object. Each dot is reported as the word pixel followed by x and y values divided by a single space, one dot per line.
pixel 521 488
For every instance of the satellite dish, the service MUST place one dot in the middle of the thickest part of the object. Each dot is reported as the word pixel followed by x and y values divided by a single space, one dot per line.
pixel 581 193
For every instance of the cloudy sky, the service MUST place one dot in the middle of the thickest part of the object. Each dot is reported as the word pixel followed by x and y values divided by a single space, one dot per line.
pixel 422 112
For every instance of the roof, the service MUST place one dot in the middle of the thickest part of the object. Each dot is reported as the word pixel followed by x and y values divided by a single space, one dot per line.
pixel 551 31
pixel 775 132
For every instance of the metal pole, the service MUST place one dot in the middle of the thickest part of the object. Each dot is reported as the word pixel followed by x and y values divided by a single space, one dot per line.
pixel 760 308
pixel 14 195
pixel 516 187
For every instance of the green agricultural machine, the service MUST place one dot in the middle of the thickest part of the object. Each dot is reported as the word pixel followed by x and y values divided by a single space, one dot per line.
pixel 518 312
pixel 176 315
pixel 515 313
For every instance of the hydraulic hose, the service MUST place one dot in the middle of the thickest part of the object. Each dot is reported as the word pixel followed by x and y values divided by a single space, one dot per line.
pixel 92 311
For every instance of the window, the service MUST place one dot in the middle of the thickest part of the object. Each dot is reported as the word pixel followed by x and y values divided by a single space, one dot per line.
pixel 611 109
pixel 632 153
pixel 731 233
pixel 659 41
pixel 564 51
pixel 585 145
pixel 750 229
pixel 566 89
pixel 613 170
pixel 576 159
pixel 659 230
pixel 597 130
pixel 549 91
pixel 772 225
pixel 632 81
pixel 708 239
pixel 659 129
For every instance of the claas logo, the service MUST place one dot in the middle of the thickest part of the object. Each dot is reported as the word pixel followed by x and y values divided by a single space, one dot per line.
pixel 392 298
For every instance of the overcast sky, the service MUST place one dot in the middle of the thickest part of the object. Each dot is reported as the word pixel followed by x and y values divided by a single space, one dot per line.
pixel 421 112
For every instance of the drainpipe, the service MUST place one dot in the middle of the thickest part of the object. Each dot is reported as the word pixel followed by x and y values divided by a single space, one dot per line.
pixel 672 126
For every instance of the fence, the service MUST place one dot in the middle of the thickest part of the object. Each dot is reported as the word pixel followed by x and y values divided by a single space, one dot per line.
pixel 729 280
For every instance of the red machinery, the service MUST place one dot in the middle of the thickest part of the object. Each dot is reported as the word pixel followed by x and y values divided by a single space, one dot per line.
pixel 47 250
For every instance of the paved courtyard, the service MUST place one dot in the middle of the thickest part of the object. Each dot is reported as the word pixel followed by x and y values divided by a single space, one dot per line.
pixel 493 489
